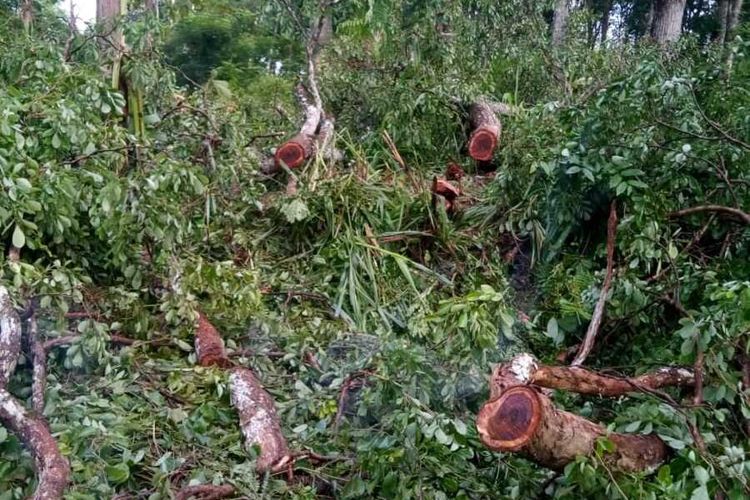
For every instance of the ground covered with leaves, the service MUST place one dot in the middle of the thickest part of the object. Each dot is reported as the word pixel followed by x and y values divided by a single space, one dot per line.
pixel 370 312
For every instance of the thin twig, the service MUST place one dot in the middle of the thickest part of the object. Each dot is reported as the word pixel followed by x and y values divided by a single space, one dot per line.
pixel 596 318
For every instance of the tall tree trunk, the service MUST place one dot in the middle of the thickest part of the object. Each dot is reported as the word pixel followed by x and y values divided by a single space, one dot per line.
pixel 650 18
pixel 721 12
pixel 667 25
pixel 605 21
pixel 153 6
pixel 27 14
pixel 734 13
pixel 559 22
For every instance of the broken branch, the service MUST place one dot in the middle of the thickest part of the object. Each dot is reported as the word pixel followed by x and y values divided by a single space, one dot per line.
pixel 736 212
pixel 259 421
pixel 596 319
pixel 52 468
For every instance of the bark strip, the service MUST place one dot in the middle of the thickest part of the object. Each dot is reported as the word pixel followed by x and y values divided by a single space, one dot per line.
pixel 259 421
pixel 486 130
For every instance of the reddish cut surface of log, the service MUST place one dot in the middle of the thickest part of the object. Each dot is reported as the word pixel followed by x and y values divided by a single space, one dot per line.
pixel 510 421
pixel 445 189
pixel 484 138
pixel 482 144
pixel 292 154
pixel 209 345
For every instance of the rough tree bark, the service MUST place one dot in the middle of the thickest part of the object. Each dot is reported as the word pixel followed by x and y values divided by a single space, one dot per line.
pixel 52 468
pixel 209 346
pixel 667 24
pixel 728 12
pixel 259 420
pixel 520 418
pixel 559 22
pixel 27 14
pixel 605 21
pixel 486 130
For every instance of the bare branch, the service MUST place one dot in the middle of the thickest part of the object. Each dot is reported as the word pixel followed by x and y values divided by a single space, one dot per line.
pixel 596 319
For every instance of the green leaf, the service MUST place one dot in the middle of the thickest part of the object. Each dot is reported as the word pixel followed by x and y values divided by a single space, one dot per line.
pixel 295 211
pixel 19 239
pixel 701 474
pixel 117 473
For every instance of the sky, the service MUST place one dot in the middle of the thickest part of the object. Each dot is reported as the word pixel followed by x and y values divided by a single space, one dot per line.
pixel 85 10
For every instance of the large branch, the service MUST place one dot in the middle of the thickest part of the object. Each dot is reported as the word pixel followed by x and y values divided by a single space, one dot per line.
pixel 519 418
pixel 736 212
pixel 259 421
pixel 52 468
pixel 525 369
pixel 524 421
pixel 596 319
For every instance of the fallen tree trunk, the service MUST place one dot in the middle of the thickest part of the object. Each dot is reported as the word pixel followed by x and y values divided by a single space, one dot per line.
pixel 259 420
pixel 525 421
pixel 520 418
pixel 486 130
pixel 299 148
pixel 52 468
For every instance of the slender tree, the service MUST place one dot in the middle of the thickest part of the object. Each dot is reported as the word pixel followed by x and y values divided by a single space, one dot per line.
pixel 27 14
pixel 559 22
pixel 667 23
pixel 728 12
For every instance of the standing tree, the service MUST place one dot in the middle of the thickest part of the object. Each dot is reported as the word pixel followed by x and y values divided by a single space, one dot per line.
pixel 667 20
pixel 559 22
pixel 728 12
pixel 27 14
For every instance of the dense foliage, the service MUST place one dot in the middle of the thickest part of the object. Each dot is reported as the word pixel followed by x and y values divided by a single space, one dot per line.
pixel 133 213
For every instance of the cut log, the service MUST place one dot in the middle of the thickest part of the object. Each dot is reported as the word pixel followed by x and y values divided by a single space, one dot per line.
pixel 209 346
pixel 486 131
pixel 524 421
pixel 520 418
pixel 299 148
pixel 259 420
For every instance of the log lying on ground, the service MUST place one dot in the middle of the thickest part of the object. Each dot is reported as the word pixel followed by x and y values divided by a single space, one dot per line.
pixel 299 148
pixel 209 346
pixel 525 421
pixel 520 418
pixel 259 420
pixel 52 468
pixel 486 130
